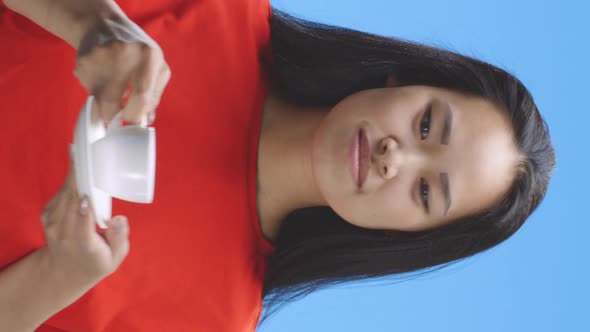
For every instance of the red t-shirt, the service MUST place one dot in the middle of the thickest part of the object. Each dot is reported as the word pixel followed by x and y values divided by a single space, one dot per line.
pixel 198 255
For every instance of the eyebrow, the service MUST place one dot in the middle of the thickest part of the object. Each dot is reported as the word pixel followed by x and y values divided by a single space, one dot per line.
pixel 444 181
pixel 447 125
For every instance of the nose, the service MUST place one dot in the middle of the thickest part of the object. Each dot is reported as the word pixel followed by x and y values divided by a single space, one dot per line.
pixel 388 158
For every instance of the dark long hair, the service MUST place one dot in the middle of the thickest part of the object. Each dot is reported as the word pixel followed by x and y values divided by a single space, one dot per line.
pixel 319 65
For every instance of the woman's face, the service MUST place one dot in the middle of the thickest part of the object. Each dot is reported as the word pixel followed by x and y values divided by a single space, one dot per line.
pixel 436 155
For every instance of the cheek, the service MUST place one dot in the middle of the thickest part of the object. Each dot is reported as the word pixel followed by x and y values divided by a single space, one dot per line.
pixel 389 208
pixel 396 206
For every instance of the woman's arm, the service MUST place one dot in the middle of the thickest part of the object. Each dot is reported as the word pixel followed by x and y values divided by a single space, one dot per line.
pixel 76 258
pixel 31 293
pixel 67 19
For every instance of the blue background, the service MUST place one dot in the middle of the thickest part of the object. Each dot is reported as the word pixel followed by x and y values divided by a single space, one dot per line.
pixel 538 279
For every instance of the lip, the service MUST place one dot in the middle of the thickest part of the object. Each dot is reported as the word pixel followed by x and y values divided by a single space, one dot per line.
pixel 353 157
pixel 364 158
pixel 359 158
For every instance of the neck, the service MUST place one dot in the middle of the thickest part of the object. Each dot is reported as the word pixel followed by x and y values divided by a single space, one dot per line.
pixel 285 177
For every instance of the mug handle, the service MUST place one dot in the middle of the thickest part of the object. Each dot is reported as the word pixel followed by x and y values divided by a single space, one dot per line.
pixel 116 123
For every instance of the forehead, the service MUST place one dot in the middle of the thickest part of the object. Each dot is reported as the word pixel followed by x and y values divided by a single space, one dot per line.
pixel 481 155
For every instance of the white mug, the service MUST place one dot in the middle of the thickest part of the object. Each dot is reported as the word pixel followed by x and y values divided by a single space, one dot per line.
pixel 124 161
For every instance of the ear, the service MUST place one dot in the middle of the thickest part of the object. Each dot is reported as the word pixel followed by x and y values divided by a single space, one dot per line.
pixel 391 81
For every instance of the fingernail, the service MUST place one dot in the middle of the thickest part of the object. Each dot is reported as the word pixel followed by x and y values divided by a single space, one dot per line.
pixel 84 206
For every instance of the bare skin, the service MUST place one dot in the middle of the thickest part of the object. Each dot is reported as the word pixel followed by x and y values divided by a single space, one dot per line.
pixel 304 158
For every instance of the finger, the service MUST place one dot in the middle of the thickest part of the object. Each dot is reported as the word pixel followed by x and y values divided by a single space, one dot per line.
pixel 163 80
pixel 82 75
pixel 124 59
pixel 144 81
pixel 85 225
pixel 70 218
pixel 57 207
pixel 117 237
pixel 109 98
pixel 50 207
pixel 47 215
pixel 93 70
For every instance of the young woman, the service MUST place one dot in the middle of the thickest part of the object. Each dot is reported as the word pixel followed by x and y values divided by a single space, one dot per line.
pixel 291 156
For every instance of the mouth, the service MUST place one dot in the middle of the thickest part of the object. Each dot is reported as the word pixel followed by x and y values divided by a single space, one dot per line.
pixel 359 158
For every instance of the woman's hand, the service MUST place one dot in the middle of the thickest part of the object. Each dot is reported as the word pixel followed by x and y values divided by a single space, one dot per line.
pixel 75 252
pixel 115 53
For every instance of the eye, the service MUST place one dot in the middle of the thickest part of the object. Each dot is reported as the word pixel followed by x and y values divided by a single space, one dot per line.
pixel 425 122
pixel 424 191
